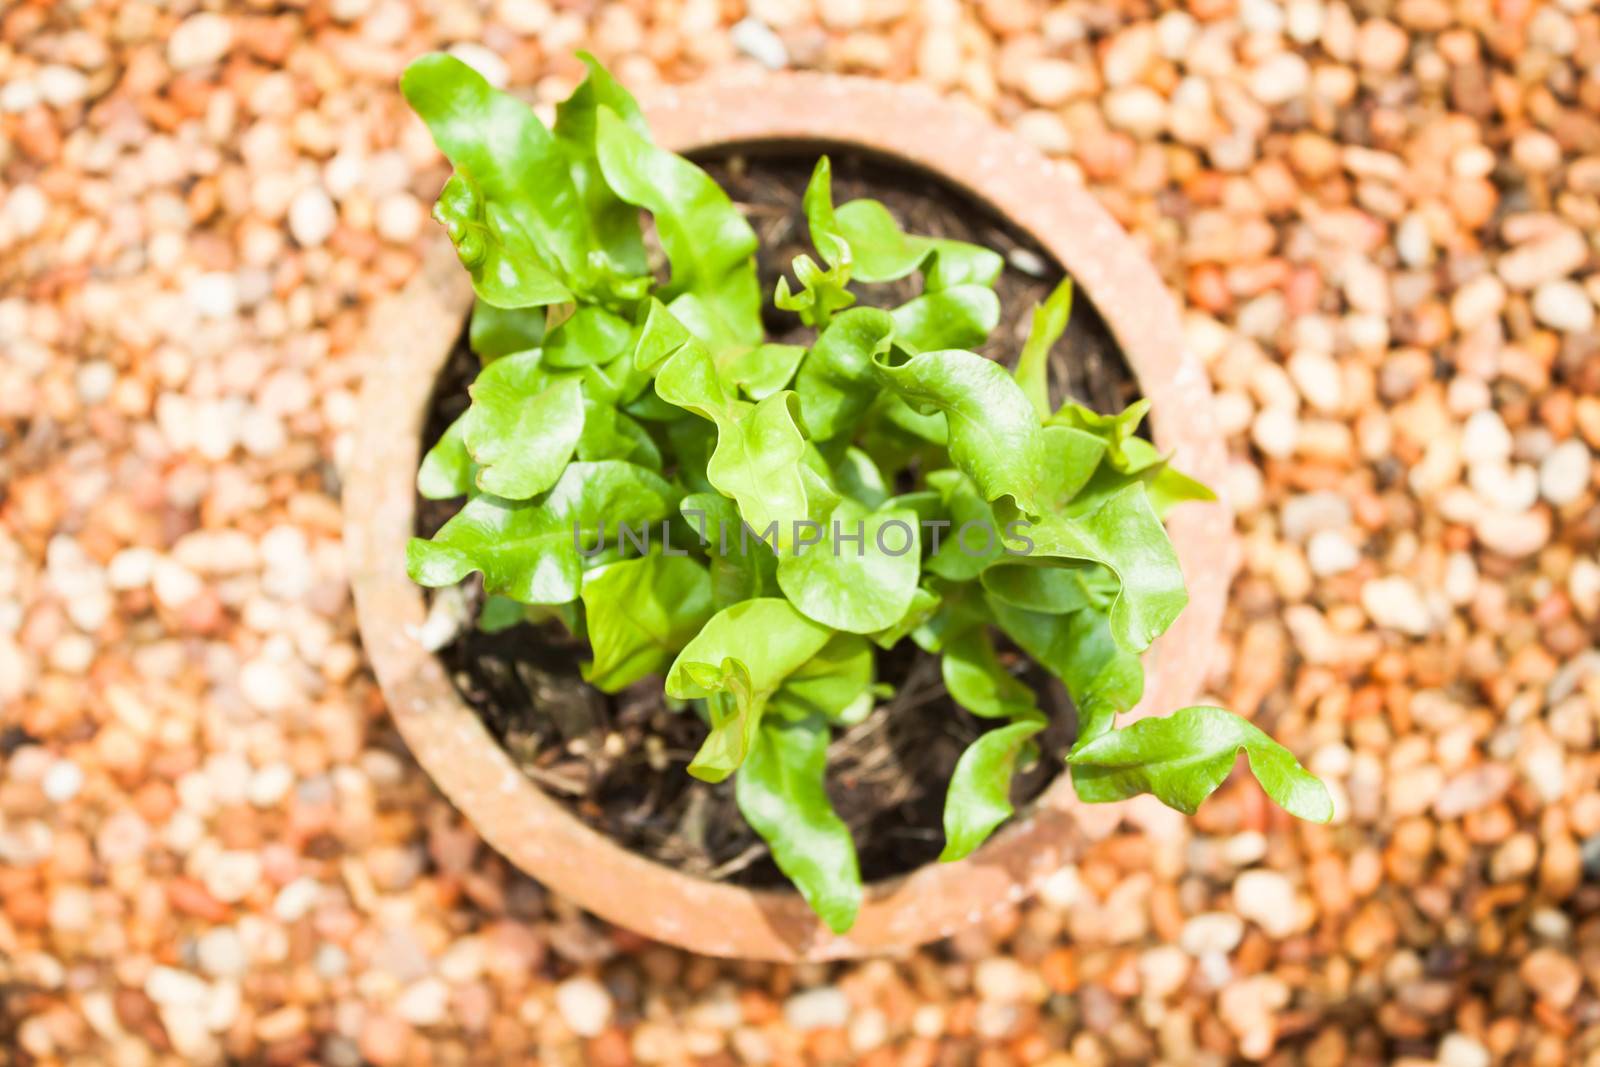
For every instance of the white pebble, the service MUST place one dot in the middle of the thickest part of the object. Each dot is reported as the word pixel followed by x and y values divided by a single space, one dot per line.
pixel 1329 552
pixel 822 1008
pixel 1565 472
pixel 213 295
pixel 1485 437
pixel 62 781
pixel 399 218
pixel 755 39
pixel 312 216
pixel 199 41
pixel 1395 602
pixel 1267 898
pixel 1563 305
pixel 584 1004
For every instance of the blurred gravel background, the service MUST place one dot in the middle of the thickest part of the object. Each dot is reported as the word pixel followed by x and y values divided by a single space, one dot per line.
pixel 1381 218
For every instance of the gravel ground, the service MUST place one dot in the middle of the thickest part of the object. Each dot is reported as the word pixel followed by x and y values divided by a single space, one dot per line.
pixel 1381 218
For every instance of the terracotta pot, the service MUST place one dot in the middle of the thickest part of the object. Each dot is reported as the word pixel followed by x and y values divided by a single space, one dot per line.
pixel 412 335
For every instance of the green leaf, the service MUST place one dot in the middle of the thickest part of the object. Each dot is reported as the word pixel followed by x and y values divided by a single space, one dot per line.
pixel 737 662
pixel 641 612
pixel 780 792
pixel 822 292
pixel 883 252
pixel 861 576
pixel 836 383
pixel 615 222
pixel 979 796
pixel 859 479
pixel 1072 458
pixel 528 550
pixel 741 565
pixel 836 683
pixel 523 425
pixel 961 316
pixel 708 243
pixel 1123 535
pixel 994 435
pixel 763 370
pixel 506 266
pixel 1115 430
pixel 1049 322
pixel 1182 758
pixel 447 468
pixel 511 206
pixel 976 680
pixel 591 335
pixel 924 602
pixel 1103 678
pixel 496 332
pixel 969 535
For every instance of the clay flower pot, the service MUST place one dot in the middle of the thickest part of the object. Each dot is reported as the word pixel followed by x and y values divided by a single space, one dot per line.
pixel 412 336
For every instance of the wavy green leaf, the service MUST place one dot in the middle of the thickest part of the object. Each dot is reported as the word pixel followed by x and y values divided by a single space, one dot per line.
pixel 708 243
pixel 736 662
pixel 1103 678
pixel 836 383
pixel 523 425
pixel 836 683
pixel 511 208
pixel 529 550
pixel 619 242
pixel 822 292
pixel 780 792
pixel 1124 536
pixel 861 575
pixel 961 316
pixel 883 252
pixel 640 613
pixel 1049 322
pixel 495 332
pixel 994 436
pixel 447 469
pixel 1182 758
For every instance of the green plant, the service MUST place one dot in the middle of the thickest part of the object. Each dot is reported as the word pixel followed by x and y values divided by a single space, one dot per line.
pixel 609 397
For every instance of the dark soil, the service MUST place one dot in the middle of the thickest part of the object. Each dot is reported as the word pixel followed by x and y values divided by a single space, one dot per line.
pixel 619 761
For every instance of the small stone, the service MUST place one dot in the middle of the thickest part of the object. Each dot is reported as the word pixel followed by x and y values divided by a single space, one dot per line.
pixel 1565 473
pixel 426 1002
pixel 1553 976
pixel 229 876
pixel 1396 603
pixel 527 17
pixel 1163 970
pixel 1317 377
pixel 1514 860
pixel 62 86
pixel 62 781
pixel 822 1008
pixel 296 899
pixel 1562 305
pixel 385 1040
pixel 1283 77
pixel 1473 790
pixel 399 218
pixel 1477 302
pixel 312 216
pixel 1000 979
pixel 1544 259
pixel 199 41
pixel 755 39
pixel 1137 109
pixel 1485 438
pixel 266 685
pixel 1211 933
pixel 1513 534
pixel 1267 898
pixel 214 294
pixel 1329 552
pixel 584 1004
pixel 1051 82
pixel 1276 431
pixel 1459 1050
pixel 1306 514
pixel 221 953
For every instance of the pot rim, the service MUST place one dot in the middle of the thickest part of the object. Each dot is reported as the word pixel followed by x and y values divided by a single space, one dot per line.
pixel 412 334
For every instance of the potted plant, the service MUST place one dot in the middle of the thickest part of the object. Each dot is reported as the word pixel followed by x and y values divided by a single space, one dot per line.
pixel 687 543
